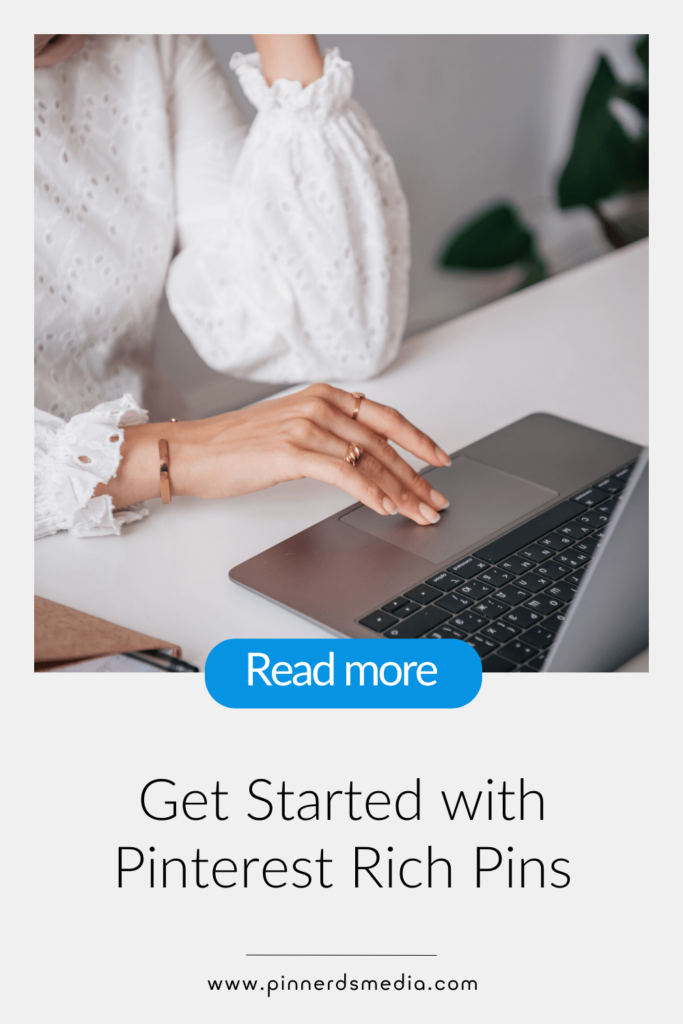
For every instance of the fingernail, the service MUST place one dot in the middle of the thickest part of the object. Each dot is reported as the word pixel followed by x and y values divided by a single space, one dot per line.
pixel 429 513
pixel 442 455
pixel 388 504
pixel 438 499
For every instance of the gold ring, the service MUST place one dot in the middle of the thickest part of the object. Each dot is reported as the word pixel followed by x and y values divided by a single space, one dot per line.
pixel 359 396
pixel 354 454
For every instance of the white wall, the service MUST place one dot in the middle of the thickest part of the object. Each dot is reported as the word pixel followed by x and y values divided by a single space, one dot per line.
pixel 467 119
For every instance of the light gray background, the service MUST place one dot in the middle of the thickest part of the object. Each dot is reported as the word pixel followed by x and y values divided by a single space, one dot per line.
pixel 467 119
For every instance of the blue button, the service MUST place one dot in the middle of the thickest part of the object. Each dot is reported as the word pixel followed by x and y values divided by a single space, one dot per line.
pixel 343 673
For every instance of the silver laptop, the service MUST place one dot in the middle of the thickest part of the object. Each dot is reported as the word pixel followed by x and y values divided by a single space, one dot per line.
pixel 525 564
pixel 607 622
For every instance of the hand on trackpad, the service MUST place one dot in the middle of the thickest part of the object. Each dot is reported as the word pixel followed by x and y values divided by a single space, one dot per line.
pixel 483 501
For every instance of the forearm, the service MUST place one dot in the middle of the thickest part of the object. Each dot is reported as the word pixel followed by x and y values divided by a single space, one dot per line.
pixel 307 434
pixel 296 57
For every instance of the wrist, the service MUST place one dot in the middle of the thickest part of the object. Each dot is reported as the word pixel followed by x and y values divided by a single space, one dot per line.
pixel 138 475
pixel 295 57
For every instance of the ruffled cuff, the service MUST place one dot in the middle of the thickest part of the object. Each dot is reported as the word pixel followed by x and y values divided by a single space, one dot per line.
pixel 71 459
pixel 321 98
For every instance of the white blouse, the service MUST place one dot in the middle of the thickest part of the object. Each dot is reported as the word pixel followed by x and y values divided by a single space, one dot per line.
pixel 292 236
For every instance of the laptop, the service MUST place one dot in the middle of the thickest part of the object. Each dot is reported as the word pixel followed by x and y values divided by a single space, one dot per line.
pixel 504 569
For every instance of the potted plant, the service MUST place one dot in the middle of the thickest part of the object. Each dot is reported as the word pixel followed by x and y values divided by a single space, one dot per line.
pixel 604 162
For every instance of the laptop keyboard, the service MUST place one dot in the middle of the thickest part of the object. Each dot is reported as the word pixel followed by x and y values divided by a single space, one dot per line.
pixel 509 598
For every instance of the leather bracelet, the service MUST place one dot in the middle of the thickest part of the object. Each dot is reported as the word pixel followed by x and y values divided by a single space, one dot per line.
pixel 163 473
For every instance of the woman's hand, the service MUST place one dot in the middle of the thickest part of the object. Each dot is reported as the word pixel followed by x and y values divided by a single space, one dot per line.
pixel 297 58
pixel 303 435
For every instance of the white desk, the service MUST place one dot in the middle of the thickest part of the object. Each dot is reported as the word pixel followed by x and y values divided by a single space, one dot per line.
pixel 575 346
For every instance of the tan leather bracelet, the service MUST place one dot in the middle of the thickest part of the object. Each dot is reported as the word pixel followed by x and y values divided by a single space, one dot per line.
pixel 163 473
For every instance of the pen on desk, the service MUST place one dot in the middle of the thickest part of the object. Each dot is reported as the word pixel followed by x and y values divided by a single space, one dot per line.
pixel 163 660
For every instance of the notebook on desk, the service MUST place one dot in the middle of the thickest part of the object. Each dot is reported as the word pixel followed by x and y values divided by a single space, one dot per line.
pixel 68 640
pixel 530 510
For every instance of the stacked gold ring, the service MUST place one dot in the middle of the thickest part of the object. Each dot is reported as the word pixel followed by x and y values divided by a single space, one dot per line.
pixel 359 396
pixel 353 454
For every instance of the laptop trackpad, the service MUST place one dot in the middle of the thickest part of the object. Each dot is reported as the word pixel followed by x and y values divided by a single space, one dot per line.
pixel 483 501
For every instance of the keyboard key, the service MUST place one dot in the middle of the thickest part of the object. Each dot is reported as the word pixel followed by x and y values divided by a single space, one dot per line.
pixel 539 637
pixel 482 645
pixel 468 567
pixel 511 595
pixel 563 590
pixel 544 604
pixel 588 545
pixel 378 621
pixel 606 507
pixel 501 630
pixel 518 652
pixel 553 622
pixel 445 581
pixel 591 496
pixel 528 532
pixel 494 663
pixel 475 590
pixel 496 577
pixel 469 622
pixel 522 617
pixel 453 603
pixel 391 606
pixel 531 582
pixel 446 632
pixel 516 564
pixel 577 530
pixel 535 552
pixel 555 541
pixel 490 609
pixel 552 570
pixel 623 474
pixel 418 624
pixel 572 558
pixel 576 577
pixel 594 519
pixel 423 594
pixel 610 485
pixel 407 609
pixel 536 663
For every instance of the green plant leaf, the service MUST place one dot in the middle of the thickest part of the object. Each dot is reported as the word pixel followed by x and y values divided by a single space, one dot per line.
pixel 496 238
pixel 602 161
pixel 641 152
pixel 636 95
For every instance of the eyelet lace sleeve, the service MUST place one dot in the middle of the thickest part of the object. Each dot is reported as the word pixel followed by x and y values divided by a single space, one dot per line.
pixel 302 272
pixel 71 459
pixel 317 101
